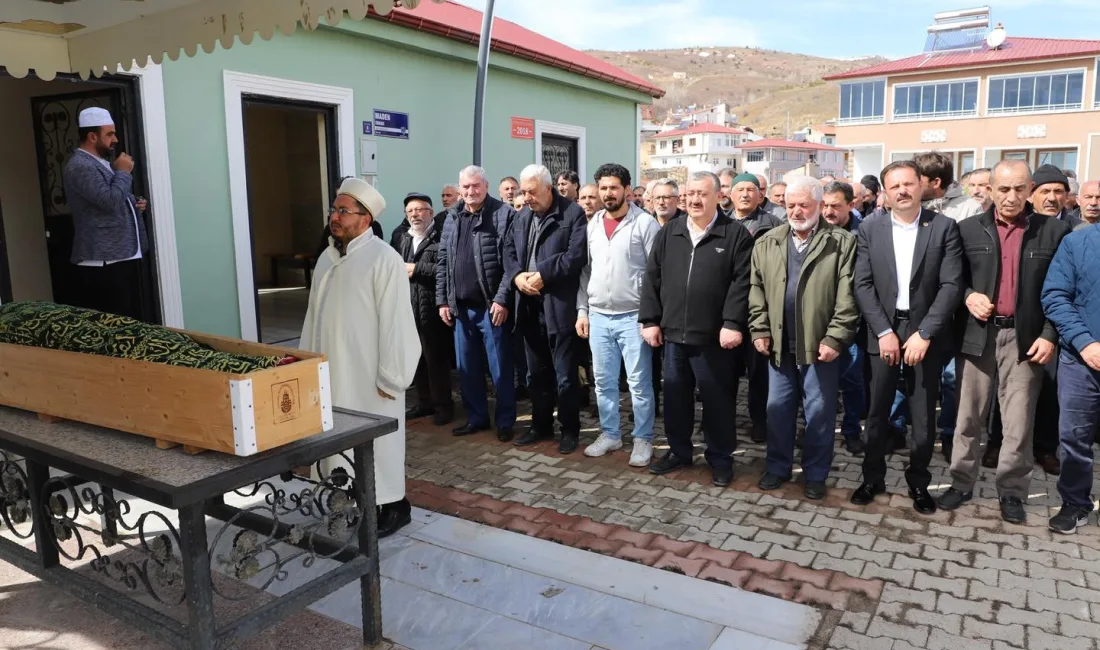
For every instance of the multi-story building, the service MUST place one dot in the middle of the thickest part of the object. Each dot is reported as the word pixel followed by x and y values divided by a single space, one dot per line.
pixel 1033 99
pixel 702 147
pixel 774 159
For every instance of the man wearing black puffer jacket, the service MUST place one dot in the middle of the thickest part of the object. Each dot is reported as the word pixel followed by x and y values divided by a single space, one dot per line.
pixel 417 241
pixel 695 301
pixel 473 295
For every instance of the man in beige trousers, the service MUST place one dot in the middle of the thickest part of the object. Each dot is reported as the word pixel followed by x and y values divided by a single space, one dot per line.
pixel 1007 339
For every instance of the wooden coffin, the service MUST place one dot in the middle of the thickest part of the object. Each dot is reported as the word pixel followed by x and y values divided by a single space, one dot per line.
pixel 201 409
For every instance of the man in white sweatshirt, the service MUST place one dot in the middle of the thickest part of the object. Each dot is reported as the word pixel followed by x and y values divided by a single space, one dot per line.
pixel 619 240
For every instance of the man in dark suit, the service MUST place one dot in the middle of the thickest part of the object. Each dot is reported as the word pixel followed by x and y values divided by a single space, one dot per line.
pixel 908 284
pixel 109 237
pixel 545 257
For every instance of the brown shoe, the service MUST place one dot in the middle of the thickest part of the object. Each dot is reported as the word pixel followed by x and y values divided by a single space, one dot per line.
pixel 989 458
pixel 1049 463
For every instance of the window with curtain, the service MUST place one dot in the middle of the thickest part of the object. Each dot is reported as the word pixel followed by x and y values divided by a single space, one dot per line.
pixel 936 100
pixel 1036 93
pixel 862 101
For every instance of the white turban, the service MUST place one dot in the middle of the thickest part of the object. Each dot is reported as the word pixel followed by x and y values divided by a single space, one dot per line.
pixel 364 193
pixel 93 117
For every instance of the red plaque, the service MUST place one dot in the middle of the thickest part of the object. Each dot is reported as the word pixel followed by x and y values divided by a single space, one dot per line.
pixel 523 128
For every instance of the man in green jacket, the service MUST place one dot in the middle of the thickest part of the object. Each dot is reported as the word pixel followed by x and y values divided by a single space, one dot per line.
pixel 803 325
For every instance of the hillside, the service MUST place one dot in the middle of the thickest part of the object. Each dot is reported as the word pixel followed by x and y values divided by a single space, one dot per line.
pixel 760 86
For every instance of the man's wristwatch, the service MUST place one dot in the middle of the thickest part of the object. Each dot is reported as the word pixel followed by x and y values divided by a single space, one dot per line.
pixel 925 335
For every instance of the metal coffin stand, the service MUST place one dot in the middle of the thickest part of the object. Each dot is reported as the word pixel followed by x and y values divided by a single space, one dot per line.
pixel 333 518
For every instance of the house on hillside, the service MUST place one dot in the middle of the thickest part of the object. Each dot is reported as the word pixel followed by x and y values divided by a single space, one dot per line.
pixel 818 134
pixel 982 100
pixel 240 148
pixel 774 158
pixel 703 147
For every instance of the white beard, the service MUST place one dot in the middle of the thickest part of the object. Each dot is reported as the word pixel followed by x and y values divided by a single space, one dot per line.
pixel 807 225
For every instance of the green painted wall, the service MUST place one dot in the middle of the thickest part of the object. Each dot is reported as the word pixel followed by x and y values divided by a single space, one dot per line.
pixel 389 68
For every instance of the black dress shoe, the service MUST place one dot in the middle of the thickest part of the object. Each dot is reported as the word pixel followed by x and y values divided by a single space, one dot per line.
pixel 393 516
pixel 814 490
pixel 855 446
pixel 505 434
pixel 1012 510
pixel 771 481
pixel 667 463
pixel 443 416
pixel 568 443
pixel 759 432
pixel 1049 463
pixel 866 493
pixel 922 501
pixel 532 436
pixel 417 412
pixel 467 430
pixel 723 476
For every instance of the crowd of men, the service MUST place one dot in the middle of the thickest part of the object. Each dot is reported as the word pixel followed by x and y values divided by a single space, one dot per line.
pixel 885 299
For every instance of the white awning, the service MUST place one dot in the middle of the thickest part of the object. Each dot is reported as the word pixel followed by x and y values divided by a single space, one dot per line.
pixel 93 37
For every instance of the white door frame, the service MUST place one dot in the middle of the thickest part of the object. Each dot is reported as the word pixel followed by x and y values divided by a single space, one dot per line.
pixel 238 84
pixel 159 174
pixel 567 131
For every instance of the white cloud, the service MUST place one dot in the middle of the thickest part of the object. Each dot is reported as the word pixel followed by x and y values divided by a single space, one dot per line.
pixel 628 24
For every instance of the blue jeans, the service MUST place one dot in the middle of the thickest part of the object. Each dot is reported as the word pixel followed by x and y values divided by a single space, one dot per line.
pixel 899 414
pixel 476 337
pixel 1079 401
pixel 616 339
pixel 852 390
pixel 816 387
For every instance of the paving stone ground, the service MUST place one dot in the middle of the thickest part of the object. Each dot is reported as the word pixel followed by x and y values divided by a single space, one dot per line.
pixel 888 578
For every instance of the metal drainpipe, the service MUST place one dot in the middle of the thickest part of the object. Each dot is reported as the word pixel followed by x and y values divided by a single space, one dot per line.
pixel 482 72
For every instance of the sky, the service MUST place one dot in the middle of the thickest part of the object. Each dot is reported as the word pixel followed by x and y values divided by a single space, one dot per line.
pixel 829 28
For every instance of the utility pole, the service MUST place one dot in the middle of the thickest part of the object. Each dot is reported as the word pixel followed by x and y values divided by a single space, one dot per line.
pixel 482 73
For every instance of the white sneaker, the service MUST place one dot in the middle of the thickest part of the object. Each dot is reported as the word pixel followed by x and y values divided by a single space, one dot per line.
pixel 603 444
pixel 642 454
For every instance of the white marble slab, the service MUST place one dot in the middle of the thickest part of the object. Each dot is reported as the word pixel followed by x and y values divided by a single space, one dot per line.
pixel 578 612
pixel 759 615
pixel 732 639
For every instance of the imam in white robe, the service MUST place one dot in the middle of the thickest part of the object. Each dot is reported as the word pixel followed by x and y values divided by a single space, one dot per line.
pixel 360 316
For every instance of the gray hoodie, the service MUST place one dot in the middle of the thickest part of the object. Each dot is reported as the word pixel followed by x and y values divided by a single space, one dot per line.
pixel 955 204
pixel 611 282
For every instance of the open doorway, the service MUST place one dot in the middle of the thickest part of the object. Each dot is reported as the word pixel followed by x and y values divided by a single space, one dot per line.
pixel 290 155
pixel 37 225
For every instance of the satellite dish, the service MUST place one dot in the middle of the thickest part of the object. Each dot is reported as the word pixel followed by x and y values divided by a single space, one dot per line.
pixel 996 37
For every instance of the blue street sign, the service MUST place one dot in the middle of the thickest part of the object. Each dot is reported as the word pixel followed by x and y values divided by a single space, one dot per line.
pixel 391 124
pixel 368 128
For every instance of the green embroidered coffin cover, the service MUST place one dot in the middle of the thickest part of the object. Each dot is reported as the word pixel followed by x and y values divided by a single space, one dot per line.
pixel 73 329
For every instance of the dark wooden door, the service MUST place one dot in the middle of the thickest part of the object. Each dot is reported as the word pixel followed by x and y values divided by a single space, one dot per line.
pixel 559 154
pixel 55 125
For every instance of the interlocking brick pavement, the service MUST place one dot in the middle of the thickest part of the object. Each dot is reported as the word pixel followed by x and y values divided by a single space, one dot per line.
pixel 886 576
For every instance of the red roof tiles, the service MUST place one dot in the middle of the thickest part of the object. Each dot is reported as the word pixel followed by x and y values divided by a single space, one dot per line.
pixel 458 22
pixel 1014 50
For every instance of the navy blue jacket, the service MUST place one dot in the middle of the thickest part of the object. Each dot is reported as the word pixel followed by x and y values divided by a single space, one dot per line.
pixel 1071 292
pixel 493 229
pixel 562 254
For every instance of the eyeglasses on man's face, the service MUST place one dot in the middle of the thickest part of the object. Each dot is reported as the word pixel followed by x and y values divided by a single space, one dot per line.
pixel 343 212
